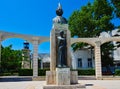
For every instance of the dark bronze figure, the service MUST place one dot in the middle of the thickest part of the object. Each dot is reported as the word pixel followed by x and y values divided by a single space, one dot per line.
pixel 62 53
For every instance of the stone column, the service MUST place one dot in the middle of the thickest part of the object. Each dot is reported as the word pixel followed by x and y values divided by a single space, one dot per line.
pixel 31 64
pixel 98 68
pixel 52 50
pixel 41 64
pixel 35 58
pixel 69 49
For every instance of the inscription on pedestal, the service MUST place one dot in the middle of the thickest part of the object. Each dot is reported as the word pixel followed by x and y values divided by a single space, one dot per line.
pixel 62 76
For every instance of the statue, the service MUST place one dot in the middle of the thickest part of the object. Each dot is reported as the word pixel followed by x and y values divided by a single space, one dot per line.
pixel 62 53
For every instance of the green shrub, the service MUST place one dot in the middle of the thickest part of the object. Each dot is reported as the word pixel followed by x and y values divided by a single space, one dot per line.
pixel 5 74
pixel 42 72
pixel 29 72
pixel 86 72
pixel 117 72
pixel 25 72
pixel 8 74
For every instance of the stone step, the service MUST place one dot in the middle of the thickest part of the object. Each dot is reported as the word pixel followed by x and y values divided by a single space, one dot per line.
pixel 65 87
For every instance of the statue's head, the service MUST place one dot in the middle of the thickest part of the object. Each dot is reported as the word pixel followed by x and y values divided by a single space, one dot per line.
pixel 59 10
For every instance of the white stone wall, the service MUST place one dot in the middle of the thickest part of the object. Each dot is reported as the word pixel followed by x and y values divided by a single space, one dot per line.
pixel 84 54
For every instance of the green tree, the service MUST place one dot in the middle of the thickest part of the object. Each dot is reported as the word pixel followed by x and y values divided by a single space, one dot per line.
pixel 116 4
pixel 81 22
pixel 106 52
pixel 90 21
pixel 10 59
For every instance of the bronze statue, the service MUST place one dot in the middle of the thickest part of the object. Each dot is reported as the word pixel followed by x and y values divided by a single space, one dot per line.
pixel 62 53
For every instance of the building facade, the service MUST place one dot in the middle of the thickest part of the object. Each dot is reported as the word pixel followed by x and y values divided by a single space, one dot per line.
pixel 83 59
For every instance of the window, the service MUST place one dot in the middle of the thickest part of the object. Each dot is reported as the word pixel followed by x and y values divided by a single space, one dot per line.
pixel 79 62
pixel 89 63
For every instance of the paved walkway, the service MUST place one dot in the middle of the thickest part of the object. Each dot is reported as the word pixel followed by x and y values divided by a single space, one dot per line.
pixel 90 84
pixel 101 84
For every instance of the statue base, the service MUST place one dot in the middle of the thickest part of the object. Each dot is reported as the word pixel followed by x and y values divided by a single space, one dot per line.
pixel 62 76
pixel 65 87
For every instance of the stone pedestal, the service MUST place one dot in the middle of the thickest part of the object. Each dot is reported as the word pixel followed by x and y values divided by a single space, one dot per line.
pixel 65 87
pixel 50 77
pixel 62 76
pixel 53 77
pixel 74 77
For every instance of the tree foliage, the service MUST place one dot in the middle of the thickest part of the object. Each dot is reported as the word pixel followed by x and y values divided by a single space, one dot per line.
pixel 90 21
pixel 10 59
pixel 106 52
pixel 116 4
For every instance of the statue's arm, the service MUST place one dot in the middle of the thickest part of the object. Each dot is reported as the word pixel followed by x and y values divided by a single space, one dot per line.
pixel 60 38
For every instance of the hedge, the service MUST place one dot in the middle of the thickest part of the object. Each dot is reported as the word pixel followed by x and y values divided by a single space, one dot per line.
pixel 8 74
pixel 29 72
pixel 25 72
pixel 42 72
pixel 86 71
pixel 117 72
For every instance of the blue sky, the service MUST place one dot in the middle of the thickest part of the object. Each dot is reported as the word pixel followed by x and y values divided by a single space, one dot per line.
pixel 33 17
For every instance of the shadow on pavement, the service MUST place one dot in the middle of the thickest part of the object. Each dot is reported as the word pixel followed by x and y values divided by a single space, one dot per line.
pixel 88 84
pixel 86 78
